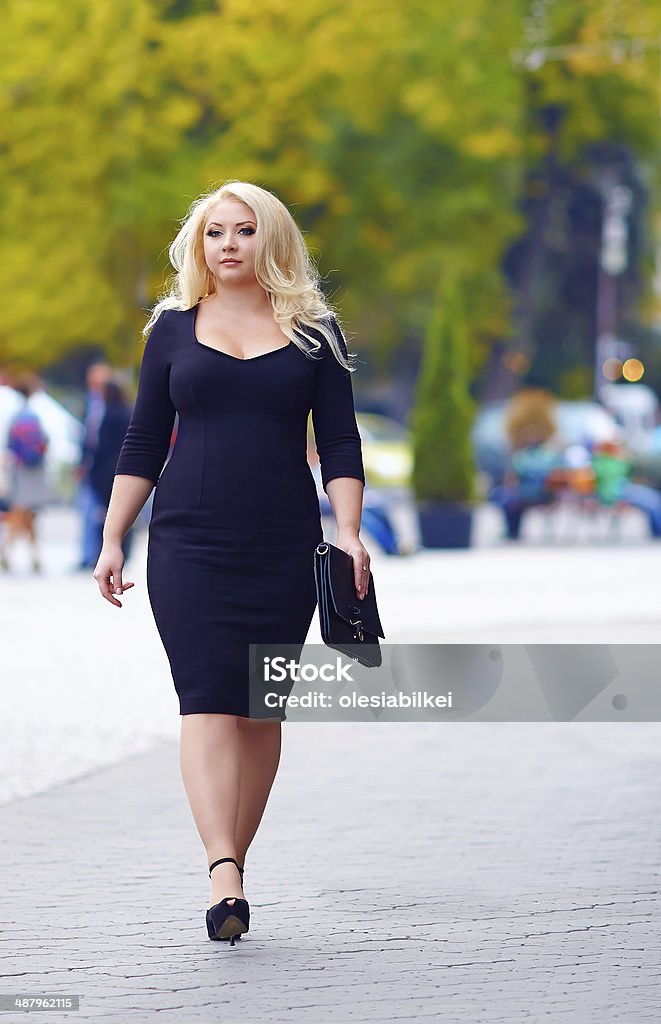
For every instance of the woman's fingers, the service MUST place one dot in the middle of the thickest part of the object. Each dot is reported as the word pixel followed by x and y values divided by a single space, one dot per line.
pixel 366 578
pixel 361 572
pixel 105 586
pixel 361 562
pixel 108 575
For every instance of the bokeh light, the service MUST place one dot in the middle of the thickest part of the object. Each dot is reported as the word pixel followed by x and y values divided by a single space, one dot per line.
pixel 612 369
pixel 633 369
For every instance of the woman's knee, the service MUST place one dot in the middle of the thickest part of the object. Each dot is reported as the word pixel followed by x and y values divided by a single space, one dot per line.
pixel 209 724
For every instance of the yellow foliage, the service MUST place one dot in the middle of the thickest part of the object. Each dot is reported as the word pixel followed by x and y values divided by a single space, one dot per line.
pixel 389 128
pixel 488 145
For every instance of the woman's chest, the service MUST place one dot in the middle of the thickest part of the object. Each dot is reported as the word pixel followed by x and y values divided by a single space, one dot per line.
pixel 209 382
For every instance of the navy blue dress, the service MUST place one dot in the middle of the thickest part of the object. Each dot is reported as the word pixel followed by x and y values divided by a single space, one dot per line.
pixel 235 517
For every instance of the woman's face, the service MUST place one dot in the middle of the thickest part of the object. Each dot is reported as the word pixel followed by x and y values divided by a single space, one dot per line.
pixel 229 234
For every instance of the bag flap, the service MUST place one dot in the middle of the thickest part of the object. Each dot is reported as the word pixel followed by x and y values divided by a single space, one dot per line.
pixel 343 592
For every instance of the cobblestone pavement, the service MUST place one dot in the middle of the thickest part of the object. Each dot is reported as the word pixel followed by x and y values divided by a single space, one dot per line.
pixel 465 872
pixel 476 872
pixel 86 684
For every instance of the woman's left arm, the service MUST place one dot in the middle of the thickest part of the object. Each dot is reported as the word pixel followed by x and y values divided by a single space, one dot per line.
pixel 346 497
pixel 340 455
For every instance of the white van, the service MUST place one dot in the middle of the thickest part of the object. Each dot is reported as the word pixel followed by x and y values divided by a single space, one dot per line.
pixel 634 406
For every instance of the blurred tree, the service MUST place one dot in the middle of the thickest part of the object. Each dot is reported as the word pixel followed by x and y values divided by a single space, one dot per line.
pixel 593 102
pixel 80 123
pixel 443 461
pixel 115 115
pixel 398 134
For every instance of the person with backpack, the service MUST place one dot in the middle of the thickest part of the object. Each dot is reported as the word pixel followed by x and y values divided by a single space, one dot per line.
pixel 26 447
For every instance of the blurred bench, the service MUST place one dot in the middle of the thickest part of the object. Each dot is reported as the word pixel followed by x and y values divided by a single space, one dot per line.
pixel 572 495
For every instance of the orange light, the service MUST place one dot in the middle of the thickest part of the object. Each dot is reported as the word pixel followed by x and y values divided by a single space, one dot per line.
pixel 612 368
pixel 633 369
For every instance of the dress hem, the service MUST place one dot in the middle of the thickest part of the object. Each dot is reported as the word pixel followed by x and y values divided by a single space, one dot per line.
pixel 203 708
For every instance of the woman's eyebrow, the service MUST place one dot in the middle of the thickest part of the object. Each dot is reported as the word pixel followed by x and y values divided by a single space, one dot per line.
pixel 238 223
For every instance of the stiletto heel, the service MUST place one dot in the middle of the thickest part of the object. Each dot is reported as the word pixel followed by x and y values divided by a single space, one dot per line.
pixel 225 920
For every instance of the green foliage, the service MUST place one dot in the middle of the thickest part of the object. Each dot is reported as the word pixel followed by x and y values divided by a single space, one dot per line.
pixel 397 133
pixel 81 124
pixel 115 115
pixel 443 462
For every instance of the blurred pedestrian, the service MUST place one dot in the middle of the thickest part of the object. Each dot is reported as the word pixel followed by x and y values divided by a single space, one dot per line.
pixel 97 375
pixel 110 436
pixel 615 488
pixel 531 427
pixel 28 490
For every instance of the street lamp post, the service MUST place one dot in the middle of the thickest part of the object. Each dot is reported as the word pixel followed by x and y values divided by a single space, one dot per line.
pixel 612 263
pixel 617 198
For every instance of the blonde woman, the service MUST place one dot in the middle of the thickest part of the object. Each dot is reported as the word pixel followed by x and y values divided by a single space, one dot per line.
pixel 242 348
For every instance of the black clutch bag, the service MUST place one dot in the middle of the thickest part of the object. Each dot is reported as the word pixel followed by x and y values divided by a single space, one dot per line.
pixel 348 624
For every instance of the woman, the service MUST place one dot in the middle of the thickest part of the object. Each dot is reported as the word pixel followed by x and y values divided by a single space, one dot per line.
pixel 235 516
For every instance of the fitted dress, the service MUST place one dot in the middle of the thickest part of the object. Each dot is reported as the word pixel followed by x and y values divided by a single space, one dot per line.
pixel 235 517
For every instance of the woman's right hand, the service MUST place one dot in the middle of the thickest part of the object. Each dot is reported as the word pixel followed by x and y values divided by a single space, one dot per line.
pixel 108 572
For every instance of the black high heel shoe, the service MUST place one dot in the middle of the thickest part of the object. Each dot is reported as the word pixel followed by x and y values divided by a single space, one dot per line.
pixel 225 920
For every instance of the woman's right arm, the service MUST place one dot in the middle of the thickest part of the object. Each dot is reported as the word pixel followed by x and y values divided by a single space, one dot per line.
pixel 129 494
pixel 141 458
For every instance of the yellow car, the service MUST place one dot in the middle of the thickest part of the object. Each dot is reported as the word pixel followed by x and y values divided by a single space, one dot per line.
pixel 387 451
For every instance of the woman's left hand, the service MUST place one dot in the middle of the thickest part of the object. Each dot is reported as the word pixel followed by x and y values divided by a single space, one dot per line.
pixel 353 546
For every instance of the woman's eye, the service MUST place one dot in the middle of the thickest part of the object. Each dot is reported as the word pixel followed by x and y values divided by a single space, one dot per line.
pixel 214 232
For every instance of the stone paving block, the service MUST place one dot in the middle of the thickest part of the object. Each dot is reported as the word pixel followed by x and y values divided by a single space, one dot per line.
pixel 450 882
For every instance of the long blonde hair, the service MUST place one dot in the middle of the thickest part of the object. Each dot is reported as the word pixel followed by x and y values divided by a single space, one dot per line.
pixel 283 267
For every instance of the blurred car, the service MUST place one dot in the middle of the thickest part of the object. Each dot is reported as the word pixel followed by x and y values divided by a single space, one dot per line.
pixel 635 408
pixel 580 424
pixel 387 450
pixel 388 508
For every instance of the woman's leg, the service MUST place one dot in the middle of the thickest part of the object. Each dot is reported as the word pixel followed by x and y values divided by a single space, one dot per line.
pixel 210 768
pixel 228 765
pixel 260 744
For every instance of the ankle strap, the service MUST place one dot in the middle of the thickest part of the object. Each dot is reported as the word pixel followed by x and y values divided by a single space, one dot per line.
pixel 222 861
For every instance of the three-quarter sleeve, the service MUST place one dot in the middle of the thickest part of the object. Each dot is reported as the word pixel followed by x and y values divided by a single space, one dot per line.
pixel 333 416
pixel 147 440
